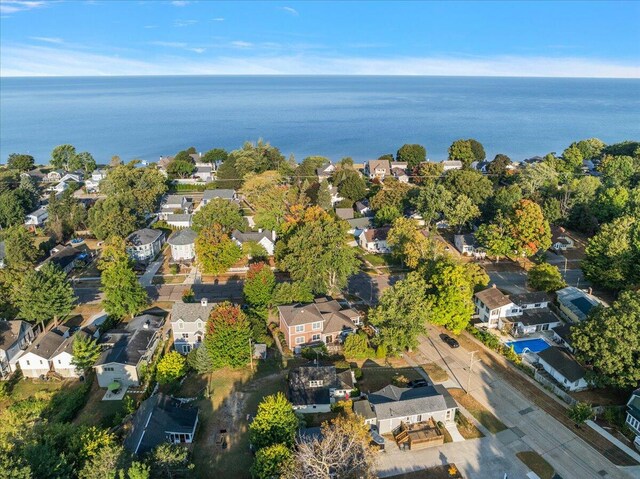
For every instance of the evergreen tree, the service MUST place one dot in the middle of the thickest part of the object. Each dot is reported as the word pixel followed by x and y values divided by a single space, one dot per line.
pixel 86 351
pixel 20 251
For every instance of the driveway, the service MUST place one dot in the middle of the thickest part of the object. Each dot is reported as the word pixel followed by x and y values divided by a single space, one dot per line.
pixel 369 288
pixel 530 427
pixel 147 278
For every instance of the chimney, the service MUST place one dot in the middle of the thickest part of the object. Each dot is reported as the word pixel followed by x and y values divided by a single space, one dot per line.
pixel 259 230
pixel 204 302
pixel 493 285
pixel 146 325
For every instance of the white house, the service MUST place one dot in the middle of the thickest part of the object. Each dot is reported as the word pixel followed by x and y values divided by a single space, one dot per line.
pixel 173 204
pixel 335 195
pixel 54 176
pixel 374 240
pixel 531 300
pixel 467 245
pixel 325 172
pixel 451 165
pixel 225 194
pixel 362 207
pixel 391 405
pixel 633 416
pixel 562 336
pixel 15 336
pixel 533 321
pixel 37 218
pixel 205 172
pixel 188 322
pixel 399 171
pixel 314 389
pixel 49 352
pixel 492 305
pixel 377 169
pixel 144 244
pixel 59 187
pixel 563 368
pixel 182 244
pixel 560 240
pixel 265 238
pixel 179 220
pixel 76 176
pixel 93 184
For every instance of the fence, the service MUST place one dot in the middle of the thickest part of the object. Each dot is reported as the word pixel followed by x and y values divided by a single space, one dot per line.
pixel 550 385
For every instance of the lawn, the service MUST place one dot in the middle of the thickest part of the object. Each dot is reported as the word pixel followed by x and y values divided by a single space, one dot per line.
pixel 477 410
pixel 435 372
pixel 466 427
pixel 537 464
pixel 378 260
pixel 26 388
pixel 97 412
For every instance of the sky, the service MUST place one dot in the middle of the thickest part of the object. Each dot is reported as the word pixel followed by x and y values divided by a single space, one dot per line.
pixel 109 37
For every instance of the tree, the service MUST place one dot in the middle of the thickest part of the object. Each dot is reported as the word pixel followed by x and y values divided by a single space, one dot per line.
pixel 470 183
pixel 275 423
pixel 461 150
pixel 323 198
pixel 618 170
pixel 545 277
pixel 255 157
pixel 216 155
pixel 460 212
pixel 169 461
pixel 431 201
pixel 289 293
pixel 20 162
pixel 580 412
pixel 227 337
pixel 258 287
pixel 62 155
pixel 590 148
pixel 609 339
pixel 12 211
pixel 450 295
pixel 113 216
pixel 386 215
pixel 105 464
pixel 536 177
pixel 411 245
pixel 200 361
pixel 498 167
pixel 350 184
pixel 20 251
pixel 228 176
pixel 413 155
pixel 313 249
pixel 272 462
pixel 219 211
pixel 171 367
pixel 45 294
pixel 216 252
pixel 529 229
pixel 572 159
pixel 613 254
pixel 402 313
pixel 86 351
pixel 394 194
pixel 123 294
pixel 83 161
pixel 179 168
pixel 139 470
pixel 356 346
pixel 611 203
pixel 343 450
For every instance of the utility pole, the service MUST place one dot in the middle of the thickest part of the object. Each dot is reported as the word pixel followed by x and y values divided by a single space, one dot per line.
pixel 250 354
pixel 471 363
pixel 565 267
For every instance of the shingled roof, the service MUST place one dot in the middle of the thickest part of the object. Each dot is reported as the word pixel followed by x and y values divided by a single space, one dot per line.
pixel 392 401
pixel 493 298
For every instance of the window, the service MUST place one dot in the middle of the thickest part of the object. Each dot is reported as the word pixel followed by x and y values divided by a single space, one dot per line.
pixel 537 305
pixel 108 368
pixel 300 328
pixel 59 361
pixel 181 325
pixel 315 337
pixel 300 340
pixel 316 383
pixel 185 335
pixel 28 363
pixel 316 326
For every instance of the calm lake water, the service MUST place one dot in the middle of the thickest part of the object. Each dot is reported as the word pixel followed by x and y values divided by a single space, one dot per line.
pixel 361 117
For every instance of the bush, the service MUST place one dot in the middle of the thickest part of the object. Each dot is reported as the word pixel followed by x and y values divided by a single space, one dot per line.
pixel 66 404
pixel 357 373
pixel 381 351
pixel 174 268
pixel 171 367
pixel 356 346
pixel 315 352
pixel 580 412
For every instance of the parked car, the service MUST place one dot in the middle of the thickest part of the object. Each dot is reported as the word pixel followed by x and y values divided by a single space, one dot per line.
pixel 450 341
pixel 418 383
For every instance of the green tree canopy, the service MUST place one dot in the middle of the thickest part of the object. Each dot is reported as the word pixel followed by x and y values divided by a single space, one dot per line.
pixel 20 251
pixel 62 155
pixel 529 229
pixel 410 245
pixel 222 212
pixel 113 216
pixel 12 211
pixel 258 287
pixel 498 167
pixel 215 250
pixel 227 337
pixel 470 183
pixel 295 292
pixel 216 155
pixel 171 367
pixel 86 351
pixel 386 215
pixel 275 423
pixel 431 201
pixel 272 461
pixel 20 162
pixel 461 150
pixel 350 184
pixel 411 154
pixel 610 340
pixel 545 277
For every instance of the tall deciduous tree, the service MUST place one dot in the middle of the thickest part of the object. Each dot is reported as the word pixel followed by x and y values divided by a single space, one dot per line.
pixel 350 183
pixel 275 423
pixel 313 249
pixel 461 211
pixel 216 155
pixel 170 461
pixel 258 287
pixel 431 201
pixel 17 161
pixel 461 150
pixel 496 237
pixel 411 245
pixel 219 211
pixel 610 340
pixel 227 337
pixel 62 155
pixel 498 167
pixel 412 154
pixel 113 216
pixel 545 277
pixel 216 252
pixel 288 293
pixel 402 313
pixel 470 183
pixel 529 229
pixel 45 294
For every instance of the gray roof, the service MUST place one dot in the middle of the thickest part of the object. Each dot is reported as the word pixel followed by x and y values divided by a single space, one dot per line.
pixel 157 416
pixel 182 237
pixel 530 298
pixel 564 332
pixel 633 405
pixel 252 235
pixel 562 362
pixel 392 401
pixel 577 301
pixel 467 240
pixel 191 312
pixel 67 255
pixel 129 345
pixel 144 236
pixel 173 200
pixel 493 298
pixel 536 317
pixel 360 223
pixel 452 163
pixel 12 331
pixel 226 194
pixel 301 394
pixel 48 344
pixel 362 204
pixel 364 409
pixel 300 313
pixel 179 217
pixel 39 212
pixel 203 169
pixel 344 213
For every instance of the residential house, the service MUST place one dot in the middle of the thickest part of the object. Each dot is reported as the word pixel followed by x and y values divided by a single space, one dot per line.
pixel 205 172
pixel 358 225
pixel 182 244
pixel 324 320
pixel 492 305
pixel 390 406
pixel 15 336
pixel 179 220
pixel 375 240
pixel 565 370
pixel 3 254
pixel 362 207
pixel 560 240
pixel 467 245
pixel 576 304
pixel 75 176
pixel 313 389
pixel 377 169
pixel 225 194
pixel 54 176
pixel 532 321
pixel 188 321
pixel 325 172
pixel 50 352
pixel 531 300
pixel 58 188
pixel 145 244
pixel 345 213
pixel 562 336
pixel 399 171
pixel 127 350
pixel 161 419
pixel 37 217
pixel 335 195
pixel 92 184
pixel 265 238
pixel 633 416
pixel 67 257
pixel 481 166
pixel 172 204
pixel 451 165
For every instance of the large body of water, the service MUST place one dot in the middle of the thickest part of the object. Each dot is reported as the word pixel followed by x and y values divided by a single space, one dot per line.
pixel 361 117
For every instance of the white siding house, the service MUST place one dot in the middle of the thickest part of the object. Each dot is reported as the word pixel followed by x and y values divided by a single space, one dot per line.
pixel 182 244
pixel 188 323
pixel 145 244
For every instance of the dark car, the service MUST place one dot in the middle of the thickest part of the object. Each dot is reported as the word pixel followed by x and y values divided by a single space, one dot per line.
pixel 418 383
pixel 449 340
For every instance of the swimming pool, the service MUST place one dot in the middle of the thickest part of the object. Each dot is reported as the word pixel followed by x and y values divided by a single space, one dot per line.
pixel 531 345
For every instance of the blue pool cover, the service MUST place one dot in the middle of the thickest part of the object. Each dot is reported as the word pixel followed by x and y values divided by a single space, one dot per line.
pixel 531 345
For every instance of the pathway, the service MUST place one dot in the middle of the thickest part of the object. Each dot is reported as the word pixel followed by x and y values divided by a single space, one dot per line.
pixel 147 278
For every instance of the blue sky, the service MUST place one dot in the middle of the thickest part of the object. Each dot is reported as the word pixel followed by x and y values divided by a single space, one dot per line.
pixel 577 39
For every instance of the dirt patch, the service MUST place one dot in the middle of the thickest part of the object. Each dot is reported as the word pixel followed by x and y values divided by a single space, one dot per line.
pixel 435 372
pixel 467 429
pixel 537 464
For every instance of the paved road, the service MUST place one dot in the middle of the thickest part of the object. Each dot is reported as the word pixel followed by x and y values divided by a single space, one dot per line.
pixel 530 428
pixel 369 288
pixel 516 281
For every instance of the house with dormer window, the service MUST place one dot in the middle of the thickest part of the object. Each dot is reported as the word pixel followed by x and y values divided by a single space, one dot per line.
pixel 188 324
pixel 314 388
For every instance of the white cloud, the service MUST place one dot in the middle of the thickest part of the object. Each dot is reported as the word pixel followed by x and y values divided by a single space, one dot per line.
pixel 13 6
pixel 218 19
pixel 184 23
pixel 29 60
pixel 150 26
pixel 169 44
pixel 179 3
pixel 290 10
pixel 241 44
pixel 48 39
